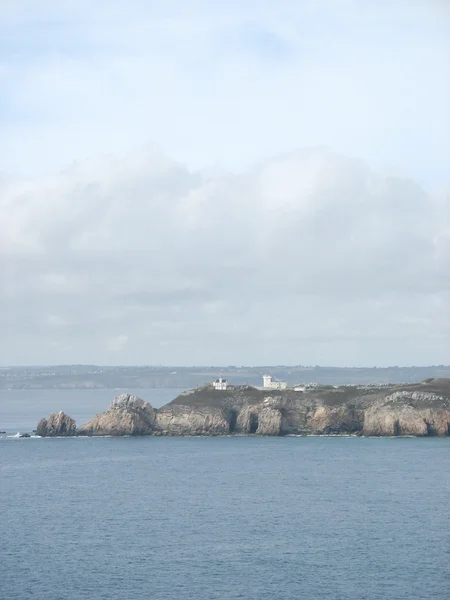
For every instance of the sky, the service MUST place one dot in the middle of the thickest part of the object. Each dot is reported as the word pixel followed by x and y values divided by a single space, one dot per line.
pixel 225 183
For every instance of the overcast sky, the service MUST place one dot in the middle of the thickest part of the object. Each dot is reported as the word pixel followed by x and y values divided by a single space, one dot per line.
pixel 240 182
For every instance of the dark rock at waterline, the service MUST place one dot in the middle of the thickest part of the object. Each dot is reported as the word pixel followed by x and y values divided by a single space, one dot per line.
pixel 24 435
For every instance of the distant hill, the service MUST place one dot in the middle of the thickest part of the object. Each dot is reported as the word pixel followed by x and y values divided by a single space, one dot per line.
pixel 145 377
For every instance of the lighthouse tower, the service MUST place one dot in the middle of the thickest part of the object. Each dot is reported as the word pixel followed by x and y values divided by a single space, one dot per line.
pixel 267 381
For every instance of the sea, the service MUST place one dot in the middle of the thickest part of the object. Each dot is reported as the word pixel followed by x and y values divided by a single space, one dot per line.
pixel 223 518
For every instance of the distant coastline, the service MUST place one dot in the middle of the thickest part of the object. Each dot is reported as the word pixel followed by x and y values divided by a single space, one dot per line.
pixel 91 377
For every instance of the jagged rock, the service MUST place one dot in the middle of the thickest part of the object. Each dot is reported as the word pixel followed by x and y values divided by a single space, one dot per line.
pixel 127 415
pixel 56 425
pixel 408 413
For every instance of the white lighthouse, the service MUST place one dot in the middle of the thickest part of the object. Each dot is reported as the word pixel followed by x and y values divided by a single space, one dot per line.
pixel 220 384
pixel 267 380
pixel 268 383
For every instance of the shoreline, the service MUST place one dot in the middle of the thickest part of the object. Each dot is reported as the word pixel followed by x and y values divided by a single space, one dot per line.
pixel 223 436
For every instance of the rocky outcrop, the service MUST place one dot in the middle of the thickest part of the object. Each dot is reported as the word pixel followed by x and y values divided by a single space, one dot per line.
pixel 408 413
pixel 412 409
pixel 57 425
pixel 127 415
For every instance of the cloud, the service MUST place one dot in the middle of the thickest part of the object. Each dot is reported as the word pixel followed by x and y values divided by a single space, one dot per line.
pixel 229 83
pixel 117 343
pixel 309 257
pixel 219 242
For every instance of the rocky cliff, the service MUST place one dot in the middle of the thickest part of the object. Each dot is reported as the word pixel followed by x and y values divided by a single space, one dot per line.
pixel 186 420
pixel 56 425
pixel 127 415
pixel 414 409
pixel 409 412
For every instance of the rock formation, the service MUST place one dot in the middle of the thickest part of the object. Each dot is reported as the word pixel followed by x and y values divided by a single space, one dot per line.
pixel 56 425
pixel 265 418
pixel 127 415
pixel 411 409
pixel 336 420
pixel 408 413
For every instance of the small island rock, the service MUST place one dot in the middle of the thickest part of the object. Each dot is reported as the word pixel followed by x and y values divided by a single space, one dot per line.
pixel 56 425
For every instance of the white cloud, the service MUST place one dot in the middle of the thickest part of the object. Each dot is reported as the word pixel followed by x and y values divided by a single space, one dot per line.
pixel 56 321
pixel 117 344
pixel 310 257
pixel 219 242
pixel 230 83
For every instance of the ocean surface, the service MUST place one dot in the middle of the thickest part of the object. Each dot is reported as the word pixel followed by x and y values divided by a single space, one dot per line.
pixel 223 518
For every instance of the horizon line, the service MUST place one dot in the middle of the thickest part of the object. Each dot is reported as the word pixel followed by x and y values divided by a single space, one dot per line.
pixel 169 366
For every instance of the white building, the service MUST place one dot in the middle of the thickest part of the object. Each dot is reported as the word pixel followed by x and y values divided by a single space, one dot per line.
pixel 273 385
pixel 220 384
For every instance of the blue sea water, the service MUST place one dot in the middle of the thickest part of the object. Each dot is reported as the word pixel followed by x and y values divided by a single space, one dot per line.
pixel 224 518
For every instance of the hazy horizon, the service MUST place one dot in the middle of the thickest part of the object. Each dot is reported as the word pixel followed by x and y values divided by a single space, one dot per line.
pixel 224 366
pixel 240 183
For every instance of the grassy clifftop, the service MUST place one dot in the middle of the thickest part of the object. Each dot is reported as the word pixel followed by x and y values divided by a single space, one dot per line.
pixel 207 396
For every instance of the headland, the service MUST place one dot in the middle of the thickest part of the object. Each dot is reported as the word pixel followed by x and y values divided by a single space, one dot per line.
pixel 421 409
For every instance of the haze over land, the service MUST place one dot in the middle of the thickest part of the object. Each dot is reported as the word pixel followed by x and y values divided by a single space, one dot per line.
pixel 86 377
pixel 227 184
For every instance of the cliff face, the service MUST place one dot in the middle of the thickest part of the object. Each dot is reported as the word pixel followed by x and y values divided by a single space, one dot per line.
pixel 409 412
pixel 127 415
pixel 265 418
pixel 186 420
pixel 336 420
pixel 417 409
pixel 56 425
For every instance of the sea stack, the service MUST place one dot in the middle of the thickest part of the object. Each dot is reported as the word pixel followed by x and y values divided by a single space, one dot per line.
pixel 57 425
pixel 127 415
